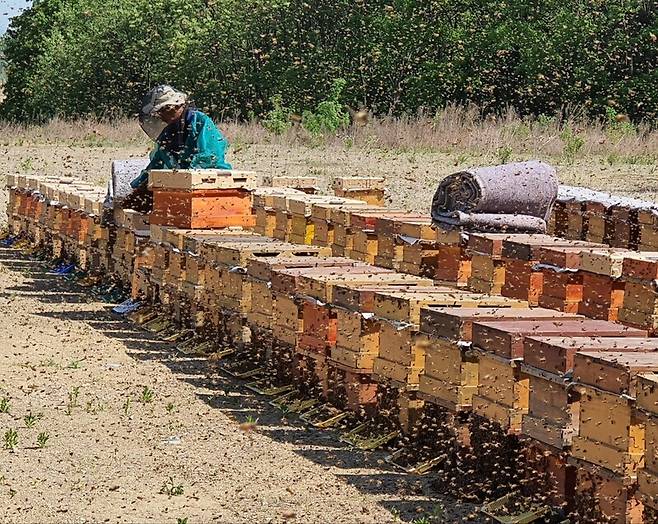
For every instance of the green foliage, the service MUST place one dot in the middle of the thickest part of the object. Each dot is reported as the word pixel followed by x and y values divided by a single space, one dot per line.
pixel 10 440
pixel 4 405
pixel 171 489
pixel 79 57
pixel 277 120
pixel 30 420
pixel 330 115
pixel 42 439
pixel 573 143
pixel 147 395
pixel 504 154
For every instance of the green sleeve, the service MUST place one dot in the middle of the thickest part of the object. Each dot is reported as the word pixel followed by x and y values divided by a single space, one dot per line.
pixel 159 160
pixel 210 148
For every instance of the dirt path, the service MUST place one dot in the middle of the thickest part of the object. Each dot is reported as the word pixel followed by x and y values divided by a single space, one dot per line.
pixel 111 453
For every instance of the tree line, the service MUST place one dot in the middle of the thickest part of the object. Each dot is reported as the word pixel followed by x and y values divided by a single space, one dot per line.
pixel 97 57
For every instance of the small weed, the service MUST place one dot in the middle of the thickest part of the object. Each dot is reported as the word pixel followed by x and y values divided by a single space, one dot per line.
pixel 544 121
pixel 26 165
pixel 30 420
pixel 12 493
pixel 73 400
pixel 10 439
pixel 74 364
pixel 181 520
pixel 126 406
pixel 4 405
pixel 462 159
pixel 421 520
pixel 277 121
pixel 250 424
pixel 504 154
pixel 42 439
pixel 147 395
pixel 438 512
pixel 171 489
pixel 170 408
pixel 48 363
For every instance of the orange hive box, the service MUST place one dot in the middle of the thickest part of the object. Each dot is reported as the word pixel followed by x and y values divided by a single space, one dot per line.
pixel 202 198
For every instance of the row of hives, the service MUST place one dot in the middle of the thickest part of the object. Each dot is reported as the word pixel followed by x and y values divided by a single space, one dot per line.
pixel 436 335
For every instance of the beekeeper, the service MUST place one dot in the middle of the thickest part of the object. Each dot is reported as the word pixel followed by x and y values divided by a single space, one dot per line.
pixel 185 138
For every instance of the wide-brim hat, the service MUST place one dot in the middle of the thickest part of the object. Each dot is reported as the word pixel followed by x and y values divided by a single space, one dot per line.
pixel 160 97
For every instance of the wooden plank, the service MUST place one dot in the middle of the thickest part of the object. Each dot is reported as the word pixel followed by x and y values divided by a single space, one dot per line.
pixel 613 371
pixel 556 353
pixel 457 323
pixel 406 306
pixel 195 179
pixel 506 339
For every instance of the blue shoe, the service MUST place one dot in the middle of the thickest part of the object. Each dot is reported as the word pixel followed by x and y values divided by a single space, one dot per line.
pixel 128 306
pixel 66 269
pixel 8 242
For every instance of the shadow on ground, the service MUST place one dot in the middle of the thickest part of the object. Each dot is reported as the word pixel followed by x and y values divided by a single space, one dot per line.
pixel 409 498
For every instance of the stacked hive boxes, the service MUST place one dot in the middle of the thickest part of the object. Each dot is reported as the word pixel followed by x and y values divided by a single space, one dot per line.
pixel 599 217
pixel 346 326
pixel 199 199
pixel 451 373
pixel 647 410
pixel 640 306
pixel 503 392
pixel 487 268
pixel 610 446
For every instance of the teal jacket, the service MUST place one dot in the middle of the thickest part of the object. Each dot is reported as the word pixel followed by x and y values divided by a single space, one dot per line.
pixel 194 142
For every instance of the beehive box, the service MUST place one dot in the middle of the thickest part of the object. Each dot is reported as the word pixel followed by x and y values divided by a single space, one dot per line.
pixel 610 433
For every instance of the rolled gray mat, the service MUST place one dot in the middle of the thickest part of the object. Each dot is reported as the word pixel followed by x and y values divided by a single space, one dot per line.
pixel 513 191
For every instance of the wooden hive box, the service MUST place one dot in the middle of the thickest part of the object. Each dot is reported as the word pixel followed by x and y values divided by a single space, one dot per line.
pixel 402 348
pixel 202 198
pixel 503 391
pixel 647 405
pixel 287 321
pixel 358 333
pixel 451 372
pixel 320 322
pixel 367 189
pixel 260 270
pixel 554 408
pixel 610 433
pixel 389 247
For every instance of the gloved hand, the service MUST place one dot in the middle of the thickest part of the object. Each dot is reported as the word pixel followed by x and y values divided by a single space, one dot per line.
pixel 141 180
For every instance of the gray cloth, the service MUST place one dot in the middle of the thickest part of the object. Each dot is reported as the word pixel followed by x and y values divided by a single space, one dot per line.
pixel 123 172
pixel 509 197
pixel 494 222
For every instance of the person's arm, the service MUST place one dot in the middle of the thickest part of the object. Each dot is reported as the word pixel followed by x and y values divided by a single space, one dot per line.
pixel 158 161
pixel 210 148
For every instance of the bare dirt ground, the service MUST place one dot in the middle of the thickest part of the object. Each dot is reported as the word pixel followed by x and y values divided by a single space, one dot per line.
pixel 113 455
